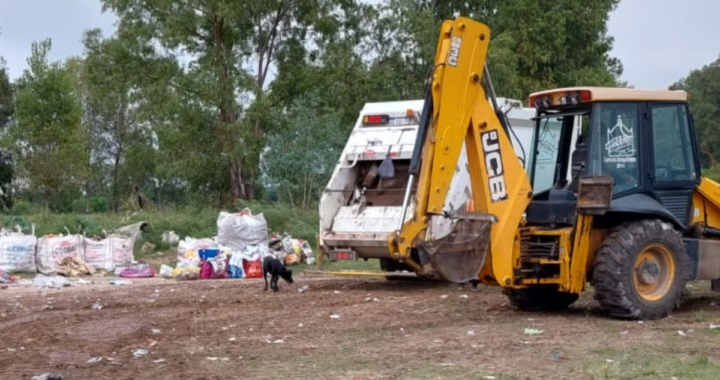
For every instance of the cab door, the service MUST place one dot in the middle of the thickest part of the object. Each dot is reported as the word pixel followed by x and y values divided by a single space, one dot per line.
pixel 673 169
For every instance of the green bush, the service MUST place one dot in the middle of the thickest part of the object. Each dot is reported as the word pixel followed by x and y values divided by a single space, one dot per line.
pixel 22 207
pixel 712 173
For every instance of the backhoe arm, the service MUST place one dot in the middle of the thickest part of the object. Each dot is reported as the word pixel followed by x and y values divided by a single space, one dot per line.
pixel 457 111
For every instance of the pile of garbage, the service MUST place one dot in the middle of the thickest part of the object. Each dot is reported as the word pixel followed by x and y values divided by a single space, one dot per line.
pixel 242 243
pixel 69 255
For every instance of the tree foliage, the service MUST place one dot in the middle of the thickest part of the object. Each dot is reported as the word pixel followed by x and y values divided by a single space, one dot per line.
pixel 208 101
pixel 299 161
pixel 47 139
pixel 703 86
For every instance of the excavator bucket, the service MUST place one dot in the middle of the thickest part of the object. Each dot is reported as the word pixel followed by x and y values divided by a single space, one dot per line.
pixel 459 256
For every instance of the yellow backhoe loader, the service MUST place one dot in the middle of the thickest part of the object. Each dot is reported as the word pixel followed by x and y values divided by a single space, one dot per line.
pixel 635 219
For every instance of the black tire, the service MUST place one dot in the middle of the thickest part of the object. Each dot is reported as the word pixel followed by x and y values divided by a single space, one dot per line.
pixel 540 298
pixel 654 289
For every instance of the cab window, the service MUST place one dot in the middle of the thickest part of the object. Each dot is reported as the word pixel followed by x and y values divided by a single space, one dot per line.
pixel 614 144
pixel 673 154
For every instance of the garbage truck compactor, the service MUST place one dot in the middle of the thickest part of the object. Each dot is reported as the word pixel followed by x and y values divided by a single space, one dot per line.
pixel 636 219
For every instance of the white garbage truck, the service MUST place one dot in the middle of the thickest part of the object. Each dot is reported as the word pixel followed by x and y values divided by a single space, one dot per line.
pixel 362 202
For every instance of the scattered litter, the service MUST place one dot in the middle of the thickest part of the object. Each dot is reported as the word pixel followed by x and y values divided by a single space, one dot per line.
pixel 170 237
pixel 463 296
pixel 337 292
pixel 48 376
pixel 610 360
pixel 96 359
pixel 120 282
pixel 6 277
pixel 212 358
pixel 303 289
pixel 159 361
pixel 140 352
pixel 147 248
pixel 489 377
pixel 373 299
pixel 623 332
pixel 151 342
pixel 42 281
pixel 97 306
pixel 402 329
pixel 166 271
pixel 471 333
pixel 232 339
pixel 681 333
pixel 300 325
pixel 555 355
pixel 640 322
pixel 334 316
pixel 82 281
pixel 713 327
pixel 276 341
pixel 139 270
pixel 443 296
pixel 526 342
pixel 532 331
pixel 25 282
pixel 155 331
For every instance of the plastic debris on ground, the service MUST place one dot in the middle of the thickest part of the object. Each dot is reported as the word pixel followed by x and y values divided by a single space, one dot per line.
pixel 47 376
pixel 139 270
pixel 166 271
pixel 170 237
pixel 120 282
pixel 140 352
pixel 238 250
pixel 533 331
pixel 42 281
pixel 6 277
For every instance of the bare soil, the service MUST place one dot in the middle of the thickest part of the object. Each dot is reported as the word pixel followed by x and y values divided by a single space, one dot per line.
pixel 340 328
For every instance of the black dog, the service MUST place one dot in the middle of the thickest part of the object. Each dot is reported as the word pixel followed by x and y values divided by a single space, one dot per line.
pixel 474 284
pixel 276 269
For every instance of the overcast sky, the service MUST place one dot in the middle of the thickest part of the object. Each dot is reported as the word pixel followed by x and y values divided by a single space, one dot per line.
pixel 658 41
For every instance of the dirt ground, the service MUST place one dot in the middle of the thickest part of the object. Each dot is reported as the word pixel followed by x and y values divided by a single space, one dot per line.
pixel 339 328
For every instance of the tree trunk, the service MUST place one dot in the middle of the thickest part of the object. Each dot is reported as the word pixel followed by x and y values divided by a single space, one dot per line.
pixel 237 186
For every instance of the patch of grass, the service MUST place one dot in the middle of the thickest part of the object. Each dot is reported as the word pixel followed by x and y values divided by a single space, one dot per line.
pixel 701 316
pixel 636 363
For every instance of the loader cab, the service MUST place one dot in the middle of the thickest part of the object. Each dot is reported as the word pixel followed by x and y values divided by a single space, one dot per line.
pixel 644 140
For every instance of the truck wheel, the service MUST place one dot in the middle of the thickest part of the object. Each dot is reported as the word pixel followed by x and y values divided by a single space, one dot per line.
pixel 640 270
pixel 540 297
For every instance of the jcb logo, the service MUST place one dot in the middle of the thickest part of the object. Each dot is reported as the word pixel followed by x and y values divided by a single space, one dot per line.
pixel 454 51
pixel 494 166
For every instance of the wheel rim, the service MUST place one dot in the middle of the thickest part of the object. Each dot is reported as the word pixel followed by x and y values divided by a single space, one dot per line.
pixel 654 272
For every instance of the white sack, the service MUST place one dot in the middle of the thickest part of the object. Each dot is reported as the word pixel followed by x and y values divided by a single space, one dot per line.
pixel 17 253
pixel 240 230
pixel 52 249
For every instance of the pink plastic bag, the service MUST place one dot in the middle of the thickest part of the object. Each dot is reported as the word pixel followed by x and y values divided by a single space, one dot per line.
pixel 141 270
